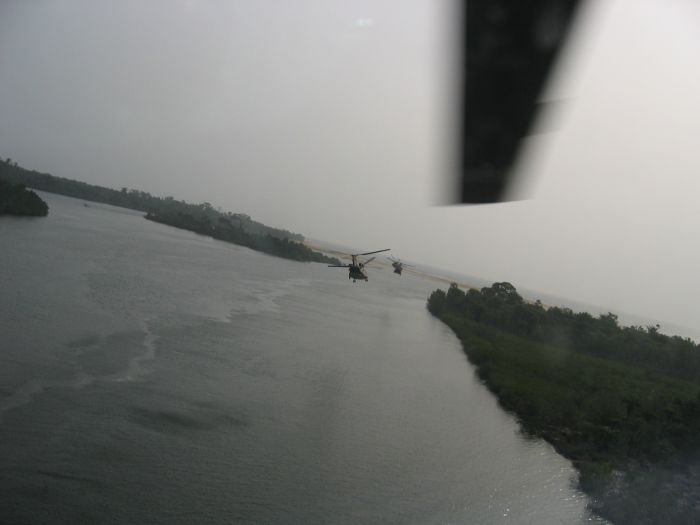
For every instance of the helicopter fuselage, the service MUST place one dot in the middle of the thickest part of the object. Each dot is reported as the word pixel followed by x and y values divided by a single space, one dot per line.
pixel 356 272
pixel 356 269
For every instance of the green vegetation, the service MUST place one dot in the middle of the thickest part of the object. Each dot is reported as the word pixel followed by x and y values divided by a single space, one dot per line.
pixel 15 199
pixel 232 228
pixel 202 218
pixel 623 403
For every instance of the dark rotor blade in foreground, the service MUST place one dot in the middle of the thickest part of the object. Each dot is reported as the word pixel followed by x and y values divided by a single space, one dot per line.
pixel 509 48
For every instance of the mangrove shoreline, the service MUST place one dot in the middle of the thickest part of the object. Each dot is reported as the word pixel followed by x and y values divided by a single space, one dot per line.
pixel 237 228
pixel 622 403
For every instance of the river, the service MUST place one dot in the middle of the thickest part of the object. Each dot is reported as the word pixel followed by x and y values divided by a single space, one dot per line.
pixel 152 375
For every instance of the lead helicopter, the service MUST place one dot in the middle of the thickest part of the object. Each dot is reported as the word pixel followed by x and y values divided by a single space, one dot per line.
pixel 398 265
pixel 356 269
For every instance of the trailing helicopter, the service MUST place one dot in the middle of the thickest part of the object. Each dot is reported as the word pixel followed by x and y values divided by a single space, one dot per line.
pixel 356 269
pixel 398 265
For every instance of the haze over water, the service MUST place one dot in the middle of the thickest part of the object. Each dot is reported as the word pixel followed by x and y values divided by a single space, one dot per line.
pixel 151 375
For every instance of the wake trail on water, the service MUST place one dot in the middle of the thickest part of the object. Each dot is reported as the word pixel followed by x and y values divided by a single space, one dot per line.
pixel 263 297
pixel 260 297
pixel 134 370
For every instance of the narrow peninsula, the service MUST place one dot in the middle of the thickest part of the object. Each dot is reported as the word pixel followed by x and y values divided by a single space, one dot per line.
pixel 621 402
pixel 204 219
pixel 15 199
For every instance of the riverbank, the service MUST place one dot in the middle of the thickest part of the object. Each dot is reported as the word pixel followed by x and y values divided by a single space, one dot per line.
pixel 15 199
pixel 224 229
pixel 237 228
pixel 628 419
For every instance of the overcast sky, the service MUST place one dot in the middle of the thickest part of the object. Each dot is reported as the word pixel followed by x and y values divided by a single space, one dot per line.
pixel 329 117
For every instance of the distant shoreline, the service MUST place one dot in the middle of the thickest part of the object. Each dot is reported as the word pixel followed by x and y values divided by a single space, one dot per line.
pixel 319 246
pixel 547 300
pixel 237 228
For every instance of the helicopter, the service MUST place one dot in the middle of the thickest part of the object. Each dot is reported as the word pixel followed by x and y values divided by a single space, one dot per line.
pixel 356 269
pixel 398 265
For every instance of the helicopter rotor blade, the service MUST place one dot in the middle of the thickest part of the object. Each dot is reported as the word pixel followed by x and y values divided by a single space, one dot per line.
pixel 339 266
pixel 369 260
pixel 370 253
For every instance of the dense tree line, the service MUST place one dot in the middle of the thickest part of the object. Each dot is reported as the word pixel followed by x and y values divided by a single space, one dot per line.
pixel 228 228
pixel 15 199
pixel 622 402
pixel 132 199
pixel 202 218
pixel 502 307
